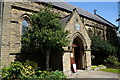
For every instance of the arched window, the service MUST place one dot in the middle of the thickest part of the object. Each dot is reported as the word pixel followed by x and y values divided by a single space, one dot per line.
pixel 24 26
pixel 99 33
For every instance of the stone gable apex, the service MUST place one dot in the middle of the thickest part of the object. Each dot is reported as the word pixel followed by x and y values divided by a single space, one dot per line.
pixel 73 20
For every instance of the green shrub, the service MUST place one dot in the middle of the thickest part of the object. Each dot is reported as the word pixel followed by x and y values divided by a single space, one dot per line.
pixel 57 74
pixel 50 75
pixel 18 70
pixel 118 64
pixel 100 65
pixel 27 71
pixel 98 45
pixel 45 74
pixel 31 63
pixel 93 67
pixel 111 60
pixel 6 72
pixel 101 49
pixel 11 71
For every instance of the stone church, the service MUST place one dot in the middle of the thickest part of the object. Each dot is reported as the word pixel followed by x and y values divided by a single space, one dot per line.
pixel 14 17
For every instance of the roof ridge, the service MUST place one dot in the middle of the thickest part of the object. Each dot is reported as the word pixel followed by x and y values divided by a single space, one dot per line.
pixel 105 19
pixel 69 7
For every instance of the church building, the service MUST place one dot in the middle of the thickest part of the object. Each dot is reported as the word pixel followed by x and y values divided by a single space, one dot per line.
pixel 14 17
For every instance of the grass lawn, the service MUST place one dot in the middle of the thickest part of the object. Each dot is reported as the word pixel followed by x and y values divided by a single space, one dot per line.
pixel 110 70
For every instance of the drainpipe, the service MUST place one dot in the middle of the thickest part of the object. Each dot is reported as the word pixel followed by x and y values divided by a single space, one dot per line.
pixel 1 21
pixel 1 11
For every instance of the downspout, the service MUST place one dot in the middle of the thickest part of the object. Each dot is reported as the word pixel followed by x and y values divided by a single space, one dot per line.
pixel 1 23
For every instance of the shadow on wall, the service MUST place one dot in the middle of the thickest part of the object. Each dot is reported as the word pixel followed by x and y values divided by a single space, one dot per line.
pixel 56 61
pixel 35 57
pixel 111 36
pixel 40 59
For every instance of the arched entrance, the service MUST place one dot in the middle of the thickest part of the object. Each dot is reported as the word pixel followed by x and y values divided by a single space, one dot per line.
pixel 77 55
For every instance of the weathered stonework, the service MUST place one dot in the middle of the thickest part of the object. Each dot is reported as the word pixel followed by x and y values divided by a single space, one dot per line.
pixel 13 15
pixel 15 12
pixel 66 63
pixel 85 40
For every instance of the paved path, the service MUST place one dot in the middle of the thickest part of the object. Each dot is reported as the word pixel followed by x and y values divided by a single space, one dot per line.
pixel 94 74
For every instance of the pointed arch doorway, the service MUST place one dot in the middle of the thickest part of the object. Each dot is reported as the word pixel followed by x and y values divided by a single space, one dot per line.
pixel 77 55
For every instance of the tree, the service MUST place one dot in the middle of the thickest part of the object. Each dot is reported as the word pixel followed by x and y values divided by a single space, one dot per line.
pixel 101 49
pixel 45 34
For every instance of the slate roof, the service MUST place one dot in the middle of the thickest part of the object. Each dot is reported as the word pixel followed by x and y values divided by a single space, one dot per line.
pixel 65 20
pixel 68 7
pixel 82 12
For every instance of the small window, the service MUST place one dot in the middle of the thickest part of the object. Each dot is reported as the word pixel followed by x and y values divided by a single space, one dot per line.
pixel 90 30
pixel 24 26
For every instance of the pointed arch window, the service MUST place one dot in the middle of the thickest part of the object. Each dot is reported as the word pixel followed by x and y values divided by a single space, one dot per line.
pixel 25 25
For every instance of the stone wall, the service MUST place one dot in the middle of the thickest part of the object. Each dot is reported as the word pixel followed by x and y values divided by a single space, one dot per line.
pixel 5 42
pixel 84 40
pixel 66 63
pixel 0 33
pixel 99 29
pixel 14 14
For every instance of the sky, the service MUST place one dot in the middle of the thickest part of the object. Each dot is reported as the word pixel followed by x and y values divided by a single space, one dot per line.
pixel 108 10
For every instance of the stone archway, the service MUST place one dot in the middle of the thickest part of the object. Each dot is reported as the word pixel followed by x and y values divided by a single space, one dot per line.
pixel 77 54
pixel 77 51
pixel 79 47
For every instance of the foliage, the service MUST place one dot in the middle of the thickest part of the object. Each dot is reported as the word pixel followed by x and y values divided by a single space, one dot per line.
pixel 57 75
pixel 11 71
pixel 45 34
pixel 44 74
pixel 112 59
pixel 51 75
pixel 101 50
pixel 46 31
pixel 31 63
pixel 27 71
pixel 99 44
pixel 92 56
pixel 18 70
pixel 110 70
pixel 100 65
pixel 93 67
